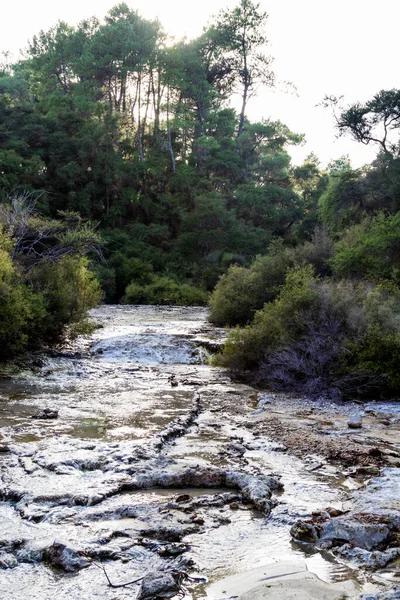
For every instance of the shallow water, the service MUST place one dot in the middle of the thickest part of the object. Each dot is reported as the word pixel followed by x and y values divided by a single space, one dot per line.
pixel 63 479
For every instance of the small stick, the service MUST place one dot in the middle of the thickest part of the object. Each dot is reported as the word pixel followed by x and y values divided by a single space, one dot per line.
pixel 116 585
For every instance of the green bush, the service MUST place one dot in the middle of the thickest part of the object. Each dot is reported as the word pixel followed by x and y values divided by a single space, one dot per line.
pixel 68 289
pixel 370 250
pixel 242 291
pixel 340 339
pixel 276 324
pixel 163 290
pixel 231 301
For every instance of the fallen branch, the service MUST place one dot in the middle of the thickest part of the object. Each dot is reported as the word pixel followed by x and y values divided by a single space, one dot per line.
pixel 117 585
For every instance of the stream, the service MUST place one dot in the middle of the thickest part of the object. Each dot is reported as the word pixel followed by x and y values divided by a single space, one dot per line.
pixel 151 463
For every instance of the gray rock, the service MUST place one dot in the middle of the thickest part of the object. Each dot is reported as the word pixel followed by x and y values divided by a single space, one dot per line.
pixel 46 413
pixel 7 561
pixel 173 549
pixel 304 532
pixel 355 421
pixel 304 586
pixel 255 489
pixel 67 559
pixel 390 595
pixel 167 534
pixel 341 531
pixel 158 585
pixel 369 560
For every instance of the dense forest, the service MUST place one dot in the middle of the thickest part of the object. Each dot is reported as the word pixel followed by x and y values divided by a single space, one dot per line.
pixel 123 162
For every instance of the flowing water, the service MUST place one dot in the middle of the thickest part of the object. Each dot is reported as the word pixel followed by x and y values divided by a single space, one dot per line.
pixel 67 479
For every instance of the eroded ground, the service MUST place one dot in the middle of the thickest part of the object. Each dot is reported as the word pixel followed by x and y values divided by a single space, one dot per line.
pixel 156 461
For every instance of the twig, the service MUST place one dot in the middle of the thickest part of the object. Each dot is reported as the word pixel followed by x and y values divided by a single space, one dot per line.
pixel 117 585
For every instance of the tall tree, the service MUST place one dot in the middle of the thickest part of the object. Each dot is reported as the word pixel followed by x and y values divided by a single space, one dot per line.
pixel 241 34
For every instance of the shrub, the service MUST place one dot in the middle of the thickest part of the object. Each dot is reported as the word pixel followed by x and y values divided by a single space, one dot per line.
pixel 231 301
pixel 278 322
pixel 69 289
pixel 163 290
pixel 370 249
pixel 340 339
pixel 20 308
pixel 242 291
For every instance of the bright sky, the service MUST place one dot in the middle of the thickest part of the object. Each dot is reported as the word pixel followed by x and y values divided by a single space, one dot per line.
pixel 348 47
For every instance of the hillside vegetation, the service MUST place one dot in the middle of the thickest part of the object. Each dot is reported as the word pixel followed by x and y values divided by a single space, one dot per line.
pixel 124 165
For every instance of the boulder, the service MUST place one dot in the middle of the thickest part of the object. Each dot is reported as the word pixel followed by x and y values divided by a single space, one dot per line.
pixel 158 584
pixel 67 559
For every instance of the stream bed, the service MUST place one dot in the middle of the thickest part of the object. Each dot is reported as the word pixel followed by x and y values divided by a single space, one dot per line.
pixel 152 462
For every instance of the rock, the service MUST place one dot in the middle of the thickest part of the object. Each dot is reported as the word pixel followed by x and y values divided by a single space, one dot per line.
pixel 371 470
pixel 390 595
pixel 375 452
pixel 355 422
pixel 167 534
pixel 4 449
pixel 362 535
pixel 7 561
pixel 157 584
pixel 255 489
pixel 235 449
pixel 303 586
pixel 304 532
pixel 369 560
pixel 334 512
pixel 182 498
pixel 284 580
pixel 46 413
pixel 67 559
pixel 172 549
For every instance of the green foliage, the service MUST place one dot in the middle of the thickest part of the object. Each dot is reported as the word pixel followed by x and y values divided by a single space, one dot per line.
pixel 39 297
pixel 323 338
pixel 343 201
pixel 370 249
pixel 276 324
pixel 372 122
pixel 69 289
pixel 133 134
pixel 163 290
pixel 241 291
pixel 231 301
pixel 20 307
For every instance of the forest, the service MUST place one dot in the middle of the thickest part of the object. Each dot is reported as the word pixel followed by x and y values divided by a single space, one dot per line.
pixel 127 176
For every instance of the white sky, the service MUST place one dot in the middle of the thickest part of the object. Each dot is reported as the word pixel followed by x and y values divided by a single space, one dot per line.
pixel 348 47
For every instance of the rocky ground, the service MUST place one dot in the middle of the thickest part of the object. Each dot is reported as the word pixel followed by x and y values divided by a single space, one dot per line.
pixel 129 468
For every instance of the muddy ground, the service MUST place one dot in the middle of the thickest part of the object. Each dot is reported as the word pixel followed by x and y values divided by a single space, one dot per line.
pixel 126 456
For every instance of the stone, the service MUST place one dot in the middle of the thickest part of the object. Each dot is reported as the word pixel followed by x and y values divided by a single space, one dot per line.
pixel 67 559
pixel 303 586
pixel 167 534
pixel 284 580
pixel 182 498
pixel 7 561
pixel 389 595
pixel 334 512
pixel 157 584
pixel 362 535
pixel 304 532
pixel 46 413
pixel 355 422
pixel 172 549
pixel 369 560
